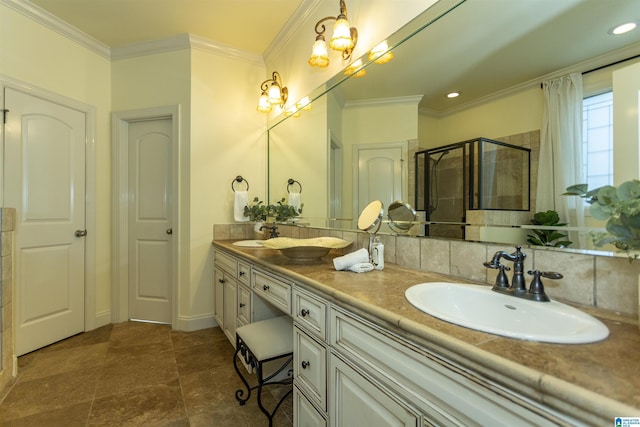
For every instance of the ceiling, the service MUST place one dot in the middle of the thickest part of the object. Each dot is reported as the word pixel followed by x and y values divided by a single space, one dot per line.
pixel 480 48
pixel 483 47
pixel 248 25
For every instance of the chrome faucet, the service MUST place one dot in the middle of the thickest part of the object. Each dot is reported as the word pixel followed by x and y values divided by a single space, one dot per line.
pixel 518 287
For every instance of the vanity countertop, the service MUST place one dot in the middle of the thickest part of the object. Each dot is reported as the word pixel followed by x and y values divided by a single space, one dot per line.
pixel 601 378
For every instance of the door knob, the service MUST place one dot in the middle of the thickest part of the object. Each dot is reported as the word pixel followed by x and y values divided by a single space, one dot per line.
pixel 80 233
pixel 169 230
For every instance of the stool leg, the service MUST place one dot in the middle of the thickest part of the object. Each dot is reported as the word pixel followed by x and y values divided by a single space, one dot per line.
pixel 262 382
pixel 240 392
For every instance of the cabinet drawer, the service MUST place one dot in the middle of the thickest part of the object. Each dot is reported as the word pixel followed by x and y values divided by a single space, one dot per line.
pixel 273 290
pixel 227 263
pixel 304 413
pixel 244 305
pixel 244 273
pixel 310 312
pixel 310 367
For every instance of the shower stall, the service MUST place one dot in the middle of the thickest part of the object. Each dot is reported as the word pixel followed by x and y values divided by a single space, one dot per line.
pixel 476 174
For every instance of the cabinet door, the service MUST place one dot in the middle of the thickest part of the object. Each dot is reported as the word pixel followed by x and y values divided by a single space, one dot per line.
pixel 218 286
pixel 244 306
pixel 229 317
pixel 356 401
pixel 304 414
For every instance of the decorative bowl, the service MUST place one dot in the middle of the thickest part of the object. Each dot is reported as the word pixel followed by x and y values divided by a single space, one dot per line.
pixel 304 250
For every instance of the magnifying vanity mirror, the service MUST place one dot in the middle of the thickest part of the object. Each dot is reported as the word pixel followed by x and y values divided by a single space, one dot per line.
pixel 497 54
pixel 401 216
pixel 370 220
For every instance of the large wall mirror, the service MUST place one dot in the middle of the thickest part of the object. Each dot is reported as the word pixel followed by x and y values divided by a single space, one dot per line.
pixel 495 53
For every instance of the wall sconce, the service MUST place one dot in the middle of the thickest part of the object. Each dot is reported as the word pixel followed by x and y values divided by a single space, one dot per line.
pixel 273 93
pixel 381 53
pixel 344 39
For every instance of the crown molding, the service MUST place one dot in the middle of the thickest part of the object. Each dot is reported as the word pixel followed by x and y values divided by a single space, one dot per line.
pixel 56 24
pixel 227 51
pixel 415 99
pixel 291 28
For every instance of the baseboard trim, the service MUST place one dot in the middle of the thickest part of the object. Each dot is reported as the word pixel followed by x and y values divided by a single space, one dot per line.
pixel 195 323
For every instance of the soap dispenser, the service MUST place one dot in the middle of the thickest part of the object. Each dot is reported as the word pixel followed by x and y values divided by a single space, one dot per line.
pixel 377 254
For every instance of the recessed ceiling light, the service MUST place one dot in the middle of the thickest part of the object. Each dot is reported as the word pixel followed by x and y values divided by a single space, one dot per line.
pixel 623 28
pixel 453 95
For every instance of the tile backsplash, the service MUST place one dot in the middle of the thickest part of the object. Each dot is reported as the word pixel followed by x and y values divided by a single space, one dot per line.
pixel 590 278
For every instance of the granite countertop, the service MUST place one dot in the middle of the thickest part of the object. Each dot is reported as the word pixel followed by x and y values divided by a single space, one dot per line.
pixel 601 378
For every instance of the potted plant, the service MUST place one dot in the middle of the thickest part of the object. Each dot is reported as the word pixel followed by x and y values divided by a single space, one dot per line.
pixel 260 213
pixel 547 237
pixel 620 207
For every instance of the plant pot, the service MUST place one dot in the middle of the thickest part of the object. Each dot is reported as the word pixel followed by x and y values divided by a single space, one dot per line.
pixel 257 233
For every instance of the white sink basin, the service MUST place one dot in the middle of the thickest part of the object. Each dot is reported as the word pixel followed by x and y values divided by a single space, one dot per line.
pixel 479 308
pixel 249 243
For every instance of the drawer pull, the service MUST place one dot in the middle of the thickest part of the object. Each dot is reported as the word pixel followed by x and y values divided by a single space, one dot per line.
pixel 221 280
pixel 242 304
pixel 241 273
pixel 265 288
pixel 304 312
pixel 305 364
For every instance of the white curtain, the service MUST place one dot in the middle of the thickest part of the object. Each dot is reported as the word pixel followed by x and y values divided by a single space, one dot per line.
pixel 561 161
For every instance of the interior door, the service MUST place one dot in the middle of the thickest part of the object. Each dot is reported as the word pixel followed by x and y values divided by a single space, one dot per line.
pixel 380 174
pixel 44 179
pixel 150 198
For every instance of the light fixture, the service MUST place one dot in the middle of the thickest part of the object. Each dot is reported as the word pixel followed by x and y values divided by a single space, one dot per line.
pixel 304 104
pixel 623 28
pixel 292 111
pixel 273 93
pixel 381 53
pixel 344 39
pixel 355 69
pixel 453 94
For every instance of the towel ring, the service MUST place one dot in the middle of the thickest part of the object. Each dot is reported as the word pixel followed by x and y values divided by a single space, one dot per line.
pixel 292 181
pixel 239 179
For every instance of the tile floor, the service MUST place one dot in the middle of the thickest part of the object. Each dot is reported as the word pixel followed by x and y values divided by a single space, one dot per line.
pixel 134 374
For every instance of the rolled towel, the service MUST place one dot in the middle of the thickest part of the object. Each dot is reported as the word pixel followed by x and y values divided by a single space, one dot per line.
pixel 240 200
pixel 346 261
pixel 295 200
pixel 361 267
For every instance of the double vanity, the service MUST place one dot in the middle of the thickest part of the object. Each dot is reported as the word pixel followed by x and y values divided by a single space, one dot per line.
pixel 364 355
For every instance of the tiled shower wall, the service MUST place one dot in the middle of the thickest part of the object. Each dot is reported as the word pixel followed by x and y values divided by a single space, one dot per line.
pixel 7 223
pixel 590 279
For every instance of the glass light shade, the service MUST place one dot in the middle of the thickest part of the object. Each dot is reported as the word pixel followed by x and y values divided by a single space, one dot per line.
pixel 319 54
pixel 275 96
pixel 380 54
pixel 292 111
pixel 341 39
pixel 304 104
pixel 264 106
pixel 356 69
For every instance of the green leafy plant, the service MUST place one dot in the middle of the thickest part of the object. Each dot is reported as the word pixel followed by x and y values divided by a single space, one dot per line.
pixel 543 237
pixel 620 207
pixel 259 212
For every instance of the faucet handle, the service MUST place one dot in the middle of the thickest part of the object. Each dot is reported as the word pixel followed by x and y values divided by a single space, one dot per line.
pixel 536 289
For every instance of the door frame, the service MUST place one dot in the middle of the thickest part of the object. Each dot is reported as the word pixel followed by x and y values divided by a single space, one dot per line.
pixel 92 319
pixel 120 206
pixel 403 145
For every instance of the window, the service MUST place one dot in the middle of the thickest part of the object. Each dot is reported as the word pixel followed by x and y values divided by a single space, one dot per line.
pixel 597 134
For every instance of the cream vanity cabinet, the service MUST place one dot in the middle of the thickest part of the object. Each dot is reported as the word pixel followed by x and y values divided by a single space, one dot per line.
pixel 235 302
pixel 309 358
pixel 379 378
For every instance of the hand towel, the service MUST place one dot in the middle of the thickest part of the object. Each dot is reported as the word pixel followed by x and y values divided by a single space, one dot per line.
pixel 346 261
pixel 362 267
pixel 240 200
pixel 295 200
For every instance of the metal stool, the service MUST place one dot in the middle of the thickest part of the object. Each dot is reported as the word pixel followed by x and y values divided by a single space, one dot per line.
pixel 262 342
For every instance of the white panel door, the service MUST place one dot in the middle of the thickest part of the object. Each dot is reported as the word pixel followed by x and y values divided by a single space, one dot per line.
pixel 150 266
pixel 380 175
pixel 44 178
